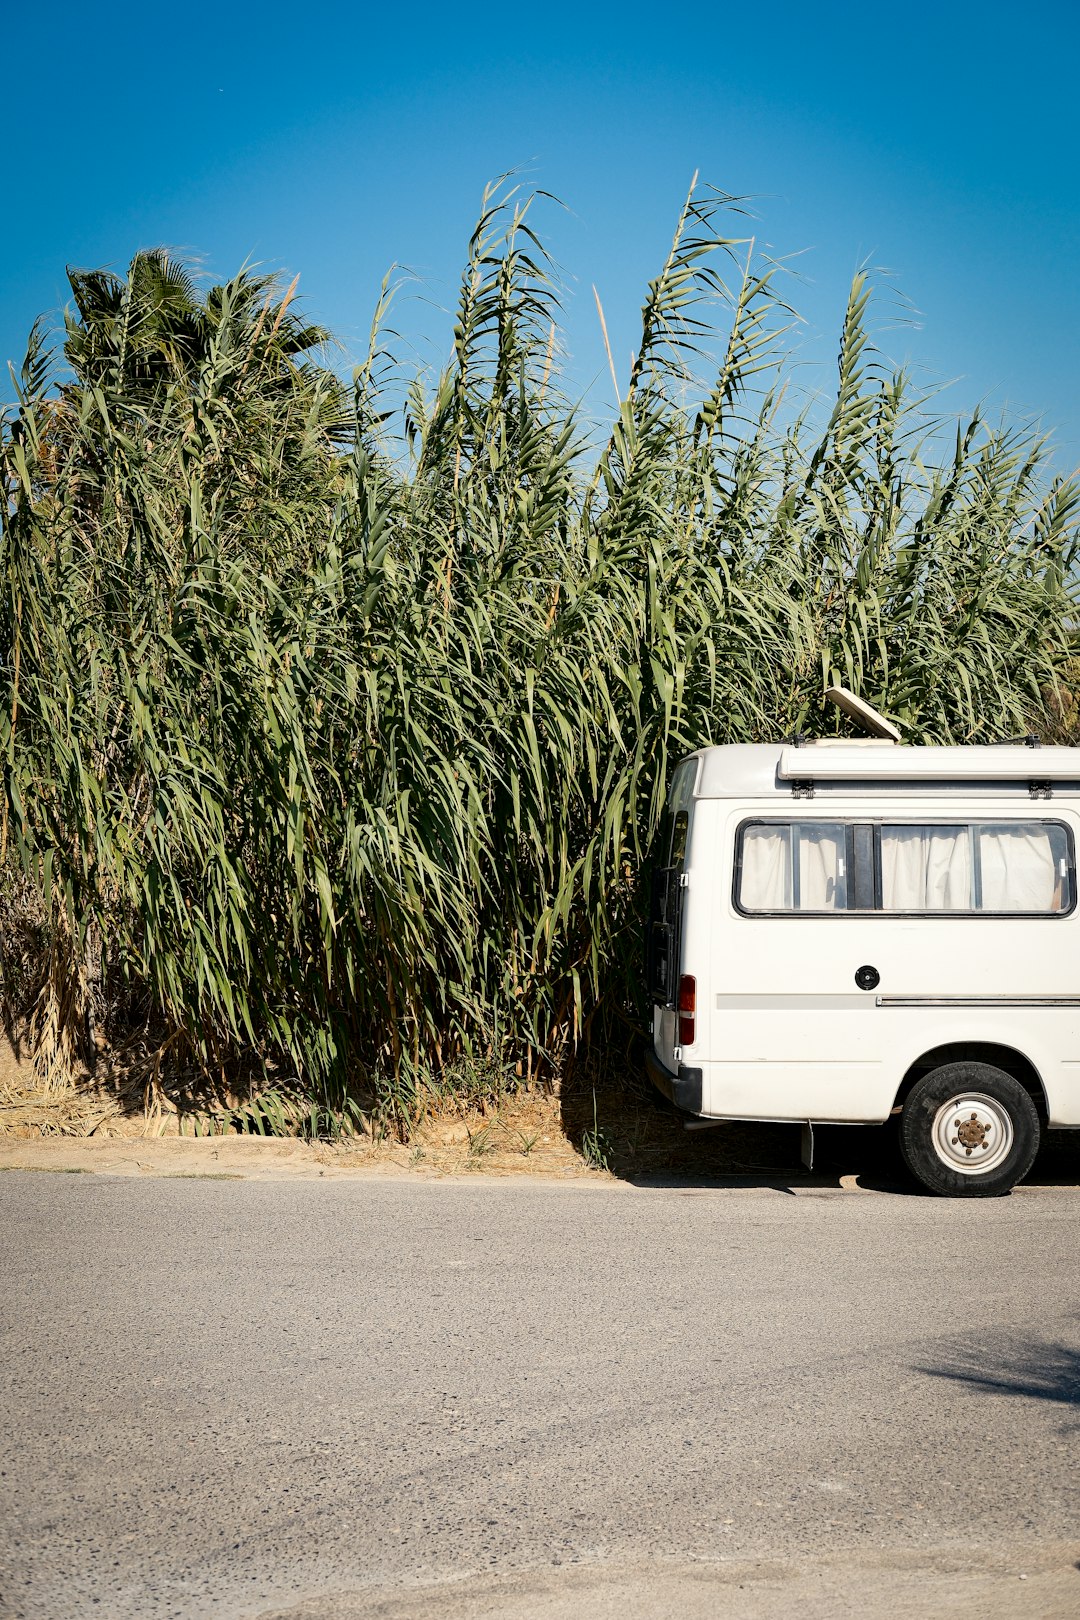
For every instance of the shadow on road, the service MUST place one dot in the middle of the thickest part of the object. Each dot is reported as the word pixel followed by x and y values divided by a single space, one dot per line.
pixel 643 1139
pixel 1039 1371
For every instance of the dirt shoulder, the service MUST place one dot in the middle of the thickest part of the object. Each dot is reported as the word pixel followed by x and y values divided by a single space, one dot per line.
pixel 616 1128
pixel 440 1148
pixel 526 1136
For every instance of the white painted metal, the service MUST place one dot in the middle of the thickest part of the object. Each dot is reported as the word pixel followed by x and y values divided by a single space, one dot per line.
pixel 972 1134
pixel 782 1031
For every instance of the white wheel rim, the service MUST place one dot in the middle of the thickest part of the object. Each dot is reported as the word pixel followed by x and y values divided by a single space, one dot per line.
pixel 973 1133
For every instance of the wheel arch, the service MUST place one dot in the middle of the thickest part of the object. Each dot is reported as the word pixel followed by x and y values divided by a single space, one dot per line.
pixel 998 1055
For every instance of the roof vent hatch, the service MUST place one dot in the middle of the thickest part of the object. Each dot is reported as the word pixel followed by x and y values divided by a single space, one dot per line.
pixel 869 719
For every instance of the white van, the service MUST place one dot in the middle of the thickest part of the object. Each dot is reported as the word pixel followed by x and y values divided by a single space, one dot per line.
pixel 842 931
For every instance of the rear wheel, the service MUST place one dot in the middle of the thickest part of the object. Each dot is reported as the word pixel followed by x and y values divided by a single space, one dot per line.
pixel 968 1130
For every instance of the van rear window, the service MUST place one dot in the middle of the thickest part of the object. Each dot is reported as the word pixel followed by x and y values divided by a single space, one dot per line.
pixel 1000 868
pixel 794 866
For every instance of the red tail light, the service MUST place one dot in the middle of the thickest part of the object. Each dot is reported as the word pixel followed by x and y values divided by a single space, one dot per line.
pixel 687 1008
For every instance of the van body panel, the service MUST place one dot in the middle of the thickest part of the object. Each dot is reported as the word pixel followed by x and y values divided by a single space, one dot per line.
pixel 847 1090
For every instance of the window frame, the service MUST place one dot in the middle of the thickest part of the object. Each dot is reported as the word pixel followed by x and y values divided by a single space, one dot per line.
pixel 856 868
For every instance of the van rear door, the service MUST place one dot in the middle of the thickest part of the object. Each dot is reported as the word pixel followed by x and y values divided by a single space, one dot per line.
pixel 665 928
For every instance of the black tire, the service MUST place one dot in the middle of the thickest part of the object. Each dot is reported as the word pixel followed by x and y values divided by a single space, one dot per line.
pixel 961 1117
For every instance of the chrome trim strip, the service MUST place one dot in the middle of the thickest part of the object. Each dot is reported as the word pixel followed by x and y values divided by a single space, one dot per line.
pixel 978 1001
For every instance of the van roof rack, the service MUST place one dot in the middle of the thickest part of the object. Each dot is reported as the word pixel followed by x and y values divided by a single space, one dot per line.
pixel 855 762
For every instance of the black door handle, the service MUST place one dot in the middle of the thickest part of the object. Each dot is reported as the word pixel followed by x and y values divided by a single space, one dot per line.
pixel 867 978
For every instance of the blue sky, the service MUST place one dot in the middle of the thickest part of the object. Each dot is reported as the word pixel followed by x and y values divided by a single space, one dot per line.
pixel 937 141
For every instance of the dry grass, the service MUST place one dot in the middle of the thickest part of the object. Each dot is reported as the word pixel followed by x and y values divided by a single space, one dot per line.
pixel 30 1107
pixel 112 1102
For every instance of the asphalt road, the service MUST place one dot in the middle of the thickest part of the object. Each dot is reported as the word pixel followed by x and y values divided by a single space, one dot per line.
pixel 400 1398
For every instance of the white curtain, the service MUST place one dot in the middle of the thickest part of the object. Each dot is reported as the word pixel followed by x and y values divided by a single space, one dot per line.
pixel 768 868
pixel 1022 869
pixel 822 879
pixel 926 869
